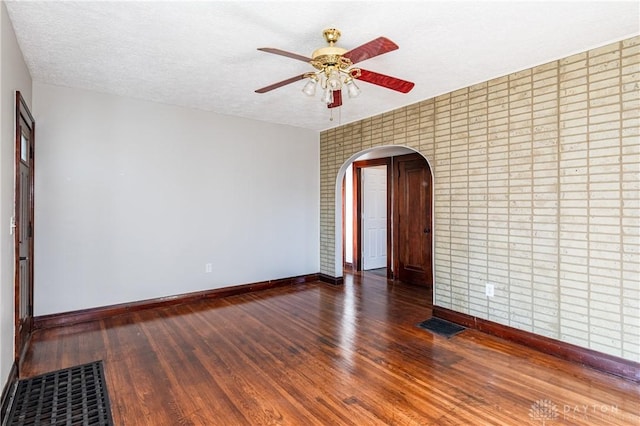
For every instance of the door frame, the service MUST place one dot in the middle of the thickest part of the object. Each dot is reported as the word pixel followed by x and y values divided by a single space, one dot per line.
pixel 23 114
pixel 357 167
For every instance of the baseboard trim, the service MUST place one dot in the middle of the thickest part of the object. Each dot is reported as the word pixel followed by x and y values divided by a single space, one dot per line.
pixel 331 280
pixel 597 360
pixel 103 312
pixel 7 390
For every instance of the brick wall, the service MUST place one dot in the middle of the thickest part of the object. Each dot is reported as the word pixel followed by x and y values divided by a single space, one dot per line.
pixel 536 190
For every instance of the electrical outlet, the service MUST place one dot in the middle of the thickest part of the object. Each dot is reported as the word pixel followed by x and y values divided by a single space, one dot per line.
pixel 208 268
pixel 489 290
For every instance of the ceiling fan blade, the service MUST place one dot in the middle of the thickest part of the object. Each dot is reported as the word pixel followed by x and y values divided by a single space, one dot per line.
pixel 337 99
pixel 386 81
pixel 369 50
pixel 281 83
pixel 284 53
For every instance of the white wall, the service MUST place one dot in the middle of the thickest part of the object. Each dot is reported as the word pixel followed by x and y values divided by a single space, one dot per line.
pixel 14 75
pixel 133 199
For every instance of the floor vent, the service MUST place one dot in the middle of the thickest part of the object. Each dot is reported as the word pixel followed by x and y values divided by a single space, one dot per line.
pixel 441 327
pixel 72 396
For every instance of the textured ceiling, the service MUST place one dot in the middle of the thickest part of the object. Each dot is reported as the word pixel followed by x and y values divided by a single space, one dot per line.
pixel 203 54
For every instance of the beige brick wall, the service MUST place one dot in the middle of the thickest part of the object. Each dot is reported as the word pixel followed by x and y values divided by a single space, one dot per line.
pixel 536 189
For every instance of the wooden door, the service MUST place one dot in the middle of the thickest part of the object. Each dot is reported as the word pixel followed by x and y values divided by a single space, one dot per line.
pixel 374 217
pixel 23 227
pixel 412 221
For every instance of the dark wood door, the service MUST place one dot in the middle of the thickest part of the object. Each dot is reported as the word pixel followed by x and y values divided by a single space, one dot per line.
pixel 413 220
pixel 23 227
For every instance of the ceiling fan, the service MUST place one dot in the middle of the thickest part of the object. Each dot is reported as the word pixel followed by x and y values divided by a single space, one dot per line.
pixel 335 69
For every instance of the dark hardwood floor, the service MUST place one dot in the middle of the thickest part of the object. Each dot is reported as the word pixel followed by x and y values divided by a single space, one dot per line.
pixel 317 354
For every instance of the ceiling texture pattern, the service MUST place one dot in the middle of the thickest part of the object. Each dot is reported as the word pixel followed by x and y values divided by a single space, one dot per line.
pixel 203 54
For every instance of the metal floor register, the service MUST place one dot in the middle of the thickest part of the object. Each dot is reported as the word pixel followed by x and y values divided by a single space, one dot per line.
pixel 72 396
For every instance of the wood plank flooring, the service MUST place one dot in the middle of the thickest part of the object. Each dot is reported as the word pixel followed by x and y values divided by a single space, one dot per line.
pixel 316 354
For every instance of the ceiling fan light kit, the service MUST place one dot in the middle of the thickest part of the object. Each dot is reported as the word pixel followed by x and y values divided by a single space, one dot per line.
pixel 335 69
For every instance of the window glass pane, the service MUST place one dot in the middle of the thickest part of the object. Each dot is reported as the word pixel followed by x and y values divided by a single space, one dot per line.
pixel 24 148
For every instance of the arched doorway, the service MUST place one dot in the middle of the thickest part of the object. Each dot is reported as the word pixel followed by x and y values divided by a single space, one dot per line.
pixel 420 223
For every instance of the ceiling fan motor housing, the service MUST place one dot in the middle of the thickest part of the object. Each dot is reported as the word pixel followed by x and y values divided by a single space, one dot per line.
pixel 330 56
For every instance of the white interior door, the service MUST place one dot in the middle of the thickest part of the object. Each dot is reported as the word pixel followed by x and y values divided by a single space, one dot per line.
pixel 374 217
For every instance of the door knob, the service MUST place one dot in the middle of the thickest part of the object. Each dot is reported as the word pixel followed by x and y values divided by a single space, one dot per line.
pixel 427 230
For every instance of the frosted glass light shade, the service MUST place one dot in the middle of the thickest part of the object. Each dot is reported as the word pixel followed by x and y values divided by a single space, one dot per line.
pixel 334 80
pixel 352 89
pixel 309 89
pixel 327 96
